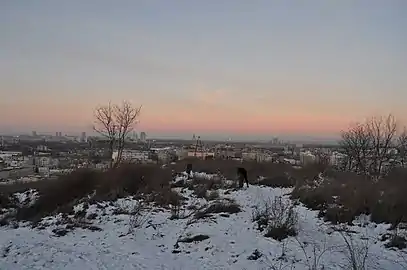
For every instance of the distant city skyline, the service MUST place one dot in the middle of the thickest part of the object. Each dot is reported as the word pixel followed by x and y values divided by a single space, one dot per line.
pixel 188 136
pixel 229 69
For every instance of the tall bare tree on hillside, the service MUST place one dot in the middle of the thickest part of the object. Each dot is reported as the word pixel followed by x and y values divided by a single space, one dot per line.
pixel 402 147
pixel 383 131
pixel 105 125
pixel 115 122
pixel 126 117
pixel 368 145
pixel 356 143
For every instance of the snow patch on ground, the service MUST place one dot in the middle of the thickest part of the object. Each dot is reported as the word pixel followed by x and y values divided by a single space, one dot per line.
pixel 26 198
pixel 233 243
pixel 185 176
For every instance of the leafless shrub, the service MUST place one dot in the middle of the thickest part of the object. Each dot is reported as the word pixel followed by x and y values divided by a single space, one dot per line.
pixel 137 218
pixel 277 217
pixel 313 261
pixel 356 254
pixel 280 262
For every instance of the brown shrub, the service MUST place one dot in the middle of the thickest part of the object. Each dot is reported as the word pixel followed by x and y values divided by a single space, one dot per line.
pixel 278 217
pixel 128 179
pixel 60 193
pixel 344 195
pixel 277 181
pixel 338 215
pixel 132 179
pixel 392 200
pixel 315 199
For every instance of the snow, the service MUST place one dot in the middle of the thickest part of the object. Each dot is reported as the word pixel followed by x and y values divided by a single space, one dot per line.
pixel 183 176
pixel 26 198
pixel 232 239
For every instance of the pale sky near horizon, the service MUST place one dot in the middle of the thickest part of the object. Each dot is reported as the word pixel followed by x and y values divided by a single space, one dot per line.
pixel 246 68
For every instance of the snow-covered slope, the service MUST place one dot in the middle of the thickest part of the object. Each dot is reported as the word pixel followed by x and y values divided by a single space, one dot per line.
pixel 233 243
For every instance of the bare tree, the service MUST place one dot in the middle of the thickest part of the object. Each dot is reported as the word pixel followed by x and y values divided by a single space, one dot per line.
pixel 115 122
pixel 402 147
pixel 382 131
pixel 369 145
pixel 356 143
pixel 105 125
pixel 126 117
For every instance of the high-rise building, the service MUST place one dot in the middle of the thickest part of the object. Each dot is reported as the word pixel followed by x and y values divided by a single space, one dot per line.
pixel 83 137
pixel 143 136
pixel 34 133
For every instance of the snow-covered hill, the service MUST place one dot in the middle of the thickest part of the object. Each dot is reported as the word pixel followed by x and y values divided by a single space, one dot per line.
pixel 154 240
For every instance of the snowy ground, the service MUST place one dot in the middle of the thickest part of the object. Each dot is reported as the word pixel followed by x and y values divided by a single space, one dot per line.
pixel 232 240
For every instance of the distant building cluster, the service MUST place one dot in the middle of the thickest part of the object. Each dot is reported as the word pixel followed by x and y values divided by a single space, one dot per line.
pixel 59 137
pixel 46 156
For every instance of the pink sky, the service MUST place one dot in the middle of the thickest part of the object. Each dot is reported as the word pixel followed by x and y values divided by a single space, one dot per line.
pixel 203 111
pixel 260 68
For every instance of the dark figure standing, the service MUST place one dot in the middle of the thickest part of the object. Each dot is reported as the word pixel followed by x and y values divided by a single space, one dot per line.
pixel 242 176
